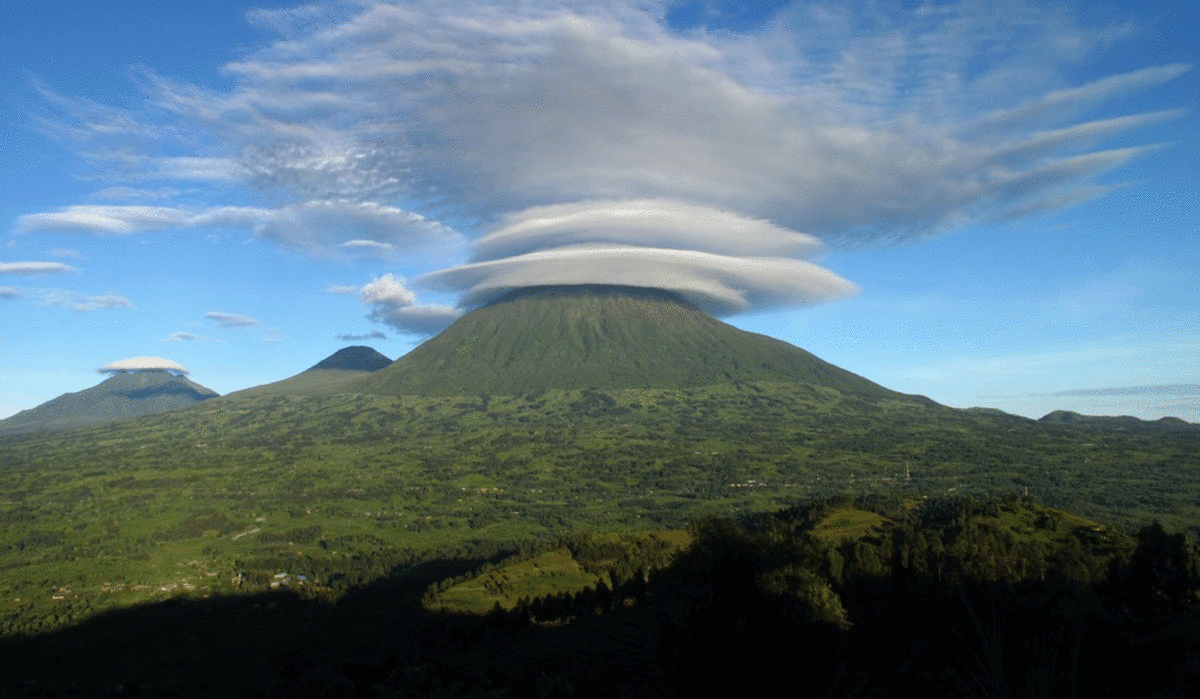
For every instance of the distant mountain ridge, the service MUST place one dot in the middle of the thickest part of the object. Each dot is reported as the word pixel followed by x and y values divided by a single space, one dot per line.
pixel 1070 418
pixel 122 396
pixel 596 336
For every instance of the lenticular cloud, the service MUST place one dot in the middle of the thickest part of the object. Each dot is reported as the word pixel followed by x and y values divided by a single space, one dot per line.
pixel 721 261
pixel 143 364
pixel 594 141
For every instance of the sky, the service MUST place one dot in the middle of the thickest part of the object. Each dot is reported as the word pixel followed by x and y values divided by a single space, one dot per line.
pixel 987 203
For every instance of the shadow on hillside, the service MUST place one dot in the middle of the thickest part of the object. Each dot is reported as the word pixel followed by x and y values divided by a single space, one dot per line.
pixel 268 644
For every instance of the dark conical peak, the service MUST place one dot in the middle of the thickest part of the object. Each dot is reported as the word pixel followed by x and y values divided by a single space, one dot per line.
pixel 357 358
pixel 592 336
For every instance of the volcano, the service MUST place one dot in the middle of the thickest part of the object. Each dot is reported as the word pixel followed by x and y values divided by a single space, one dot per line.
pixel 327 375
pixel 121 396
pixel 609 337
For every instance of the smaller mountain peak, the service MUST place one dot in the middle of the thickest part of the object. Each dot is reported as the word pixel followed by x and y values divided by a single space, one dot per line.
pixel 356 358
pixel 1062 417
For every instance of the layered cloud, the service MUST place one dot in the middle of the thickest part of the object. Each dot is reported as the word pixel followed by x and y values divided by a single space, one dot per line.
pixel 654 223
pixel 597 141
pixel 721 284
pixel 143 364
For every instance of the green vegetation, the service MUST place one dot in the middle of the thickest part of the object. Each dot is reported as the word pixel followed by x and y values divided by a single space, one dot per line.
pixel 196 497
pixel 586 561
pixel 946 597
pixel 609 337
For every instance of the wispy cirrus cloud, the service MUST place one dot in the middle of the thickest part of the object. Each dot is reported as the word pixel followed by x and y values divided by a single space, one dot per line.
pixel 8 293
pixel 319 227
pixel 231 320
pixel 190 337
pixel 79 303
pixel 374 335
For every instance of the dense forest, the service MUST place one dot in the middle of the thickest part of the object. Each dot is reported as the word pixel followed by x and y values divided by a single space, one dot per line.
pixel 850 596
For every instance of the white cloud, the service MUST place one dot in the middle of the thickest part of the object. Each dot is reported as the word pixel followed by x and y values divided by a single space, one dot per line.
pixel 77 303
pixel 394 304
pixel 340 289
pixel 189 337
pixel 143 364
pixel 388 290
pixel 103 220
pixel 9 293
pixel 35 268
pixel 231 320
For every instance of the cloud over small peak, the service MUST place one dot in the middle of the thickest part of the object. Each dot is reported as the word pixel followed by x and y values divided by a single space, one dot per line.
pixel 143 364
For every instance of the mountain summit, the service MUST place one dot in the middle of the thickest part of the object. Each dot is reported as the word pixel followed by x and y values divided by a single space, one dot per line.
pixel 326 376
pixel 356 358
pixel 589 336
pixel 123 395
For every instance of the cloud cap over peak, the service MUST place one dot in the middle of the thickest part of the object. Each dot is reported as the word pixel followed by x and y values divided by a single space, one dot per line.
pixel 719 284
pixel 143 364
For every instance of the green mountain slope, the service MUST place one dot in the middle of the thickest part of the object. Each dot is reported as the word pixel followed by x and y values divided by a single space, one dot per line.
pixel 329 375
pixel 605 337
pixel 121 396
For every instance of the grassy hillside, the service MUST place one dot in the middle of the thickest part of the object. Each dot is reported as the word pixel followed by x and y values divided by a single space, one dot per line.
pixel 227 491
pixel 598 337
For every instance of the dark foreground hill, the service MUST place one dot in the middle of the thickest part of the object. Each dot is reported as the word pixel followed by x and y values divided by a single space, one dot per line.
pixel 327 375
pixel 606 337
pixel 120 397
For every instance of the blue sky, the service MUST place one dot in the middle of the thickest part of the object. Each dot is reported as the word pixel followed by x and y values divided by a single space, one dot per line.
pixel 989 204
